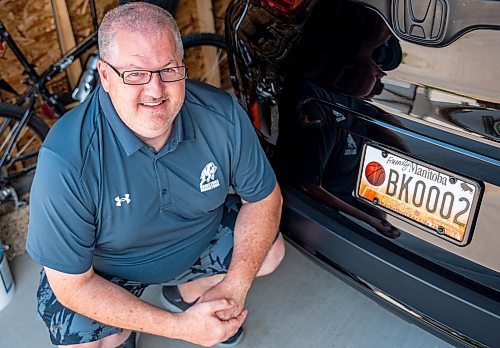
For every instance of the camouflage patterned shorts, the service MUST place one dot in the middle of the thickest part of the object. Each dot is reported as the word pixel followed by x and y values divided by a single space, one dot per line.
pixel 67 327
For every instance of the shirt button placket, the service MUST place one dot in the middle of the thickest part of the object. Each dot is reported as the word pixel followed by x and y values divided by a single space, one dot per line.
pixel 162 178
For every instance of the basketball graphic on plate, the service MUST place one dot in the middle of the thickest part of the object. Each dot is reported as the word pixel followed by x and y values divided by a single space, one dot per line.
pixel 375 173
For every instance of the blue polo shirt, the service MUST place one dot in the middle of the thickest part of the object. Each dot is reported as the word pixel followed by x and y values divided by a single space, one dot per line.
pixel 102 197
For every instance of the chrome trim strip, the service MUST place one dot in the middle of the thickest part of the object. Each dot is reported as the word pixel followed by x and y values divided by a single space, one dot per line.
pixel 242 16
pixel 380 294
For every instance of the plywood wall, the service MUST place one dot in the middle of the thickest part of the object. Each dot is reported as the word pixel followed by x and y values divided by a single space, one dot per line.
pixel 31 24
pixel 205 16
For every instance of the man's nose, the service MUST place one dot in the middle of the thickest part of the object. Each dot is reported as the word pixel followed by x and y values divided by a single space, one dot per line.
pixel 155 87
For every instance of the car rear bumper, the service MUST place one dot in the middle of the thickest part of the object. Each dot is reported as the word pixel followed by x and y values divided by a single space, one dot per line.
pixel 379 269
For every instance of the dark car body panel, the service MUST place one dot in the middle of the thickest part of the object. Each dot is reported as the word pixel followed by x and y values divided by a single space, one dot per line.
pixel 424 291
pixel 338 76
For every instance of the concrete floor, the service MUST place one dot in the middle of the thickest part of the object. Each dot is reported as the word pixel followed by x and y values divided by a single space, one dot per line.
pixel 300 305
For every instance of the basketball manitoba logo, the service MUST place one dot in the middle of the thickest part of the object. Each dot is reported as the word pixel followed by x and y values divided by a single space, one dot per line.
pixel 375 173
pixel 207 177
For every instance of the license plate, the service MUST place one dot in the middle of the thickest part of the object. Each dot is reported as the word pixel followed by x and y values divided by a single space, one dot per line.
pixel 441 202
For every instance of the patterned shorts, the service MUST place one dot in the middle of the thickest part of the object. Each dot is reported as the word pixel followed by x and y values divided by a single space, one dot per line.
pixel 67 327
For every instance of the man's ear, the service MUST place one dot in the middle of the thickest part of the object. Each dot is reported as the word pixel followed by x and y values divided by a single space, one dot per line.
pixel 103 74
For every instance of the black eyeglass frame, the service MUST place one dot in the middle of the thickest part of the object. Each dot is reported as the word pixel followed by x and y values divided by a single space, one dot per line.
pixel 151 72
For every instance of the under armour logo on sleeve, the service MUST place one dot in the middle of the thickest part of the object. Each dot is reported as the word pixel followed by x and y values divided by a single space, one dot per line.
pixel 120 200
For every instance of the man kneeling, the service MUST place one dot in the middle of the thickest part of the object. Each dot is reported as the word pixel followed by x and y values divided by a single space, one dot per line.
pixel 132 189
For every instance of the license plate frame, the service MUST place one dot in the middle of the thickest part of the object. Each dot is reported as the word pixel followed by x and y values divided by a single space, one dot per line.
pixel 392 202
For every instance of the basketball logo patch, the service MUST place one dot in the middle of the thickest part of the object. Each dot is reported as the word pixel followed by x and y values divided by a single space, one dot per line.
pixel 375 173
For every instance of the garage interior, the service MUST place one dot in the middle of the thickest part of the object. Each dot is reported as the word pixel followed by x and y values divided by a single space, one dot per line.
pixel 293 308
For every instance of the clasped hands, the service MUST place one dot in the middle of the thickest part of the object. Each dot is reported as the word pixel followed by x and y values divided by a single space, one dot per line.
pixel 216 316
pixel 235 294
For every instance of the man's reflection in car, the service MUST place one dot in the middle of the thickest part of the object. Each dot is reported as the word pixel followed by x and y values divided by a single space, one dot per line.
pixel 318 153
pixel 354 51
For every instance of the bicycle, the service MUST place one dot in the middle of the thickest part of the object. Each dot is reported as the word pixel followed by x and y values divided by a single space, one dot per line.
pixel 22 131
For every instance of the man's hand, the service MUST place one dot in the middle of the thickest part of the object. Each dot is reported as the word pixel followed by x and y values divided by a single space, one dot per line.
pixel 201 326
pixel 254 232
pixel 236 293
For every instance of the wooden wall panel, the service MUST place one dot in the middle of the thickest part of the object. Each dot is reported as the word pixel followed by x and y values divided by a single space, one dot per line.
pixel 79 12
pixel 220 7
pixel 81 20
pixel 66 39
pixel 197 16
pixel 31 24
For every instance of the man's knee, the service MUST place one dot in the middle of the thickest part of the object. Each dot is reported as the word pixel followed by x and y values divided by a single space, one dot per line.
pixel 273 258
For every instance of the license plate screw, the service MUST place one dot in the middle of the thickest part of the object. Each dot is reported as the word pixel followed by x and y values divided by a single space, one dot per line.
pixel 384 154
pixel 452 180
pixel 440 230
pixel 375 200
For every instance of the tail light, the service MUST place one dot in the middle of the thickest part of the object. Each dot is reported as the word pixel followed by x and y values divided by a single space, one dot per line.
pixel 286 7
pixel 254 110
pixel 48 111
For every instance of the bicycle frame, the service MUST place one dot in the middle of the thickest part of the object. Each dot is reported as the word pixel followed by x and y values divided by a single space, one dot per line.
pixel 37 82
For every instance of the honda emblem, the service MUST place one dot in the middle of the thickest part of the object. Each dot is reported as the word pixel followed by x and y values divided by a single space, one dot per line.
pixel 422 21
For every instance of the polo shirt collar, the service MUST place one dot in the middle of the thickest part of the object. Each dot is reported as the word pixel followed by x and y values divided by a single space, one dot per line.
pixel 129 141
pixel 182 129
pixel 186 125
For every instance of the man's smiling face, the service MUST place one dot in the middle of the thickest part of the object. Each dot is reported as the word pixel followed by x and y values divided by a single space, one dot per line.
pixel 148 110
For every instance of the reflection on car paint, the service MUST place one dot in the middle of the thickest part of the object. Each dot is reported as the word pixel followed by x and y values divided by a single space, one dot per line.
pixel 322 86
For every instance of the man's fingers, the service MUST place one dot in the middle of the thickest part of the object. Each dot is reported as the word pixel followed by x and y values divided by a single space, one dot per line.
pixel 233 324
pixel 243 315
pixel 239 319
pixel 225 315
pixel 219 305
pixel 228 313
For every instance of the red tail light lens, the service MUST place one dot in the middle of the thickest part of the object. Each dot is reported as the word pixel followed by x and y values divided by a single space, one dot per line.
pixel 287 7
pixel 48 111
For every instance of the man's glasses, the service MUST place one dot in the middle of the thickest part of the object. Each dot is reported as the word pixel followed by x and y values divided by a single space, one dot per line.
pixel 142 77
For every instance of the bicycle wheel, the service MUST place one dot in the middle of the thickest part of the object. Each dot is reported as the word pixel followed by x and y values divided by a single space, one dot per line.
pixel 18 169
pixel 206 58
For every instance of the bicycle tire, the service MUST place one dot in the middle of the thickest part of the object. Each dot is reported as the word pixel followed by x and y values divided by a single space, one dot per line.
pixel 204 39
pixel 195 56
pixel 19 170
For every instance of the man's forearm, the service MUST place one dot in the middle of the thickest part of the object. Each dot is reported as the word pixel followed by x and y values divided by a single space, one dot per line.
pixel 254 232
pixel 108 303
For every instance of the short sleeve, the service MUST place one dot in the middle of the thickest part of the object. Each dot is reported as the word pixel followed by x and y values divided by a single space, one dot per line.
pixel 61 231
pixel 252 175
